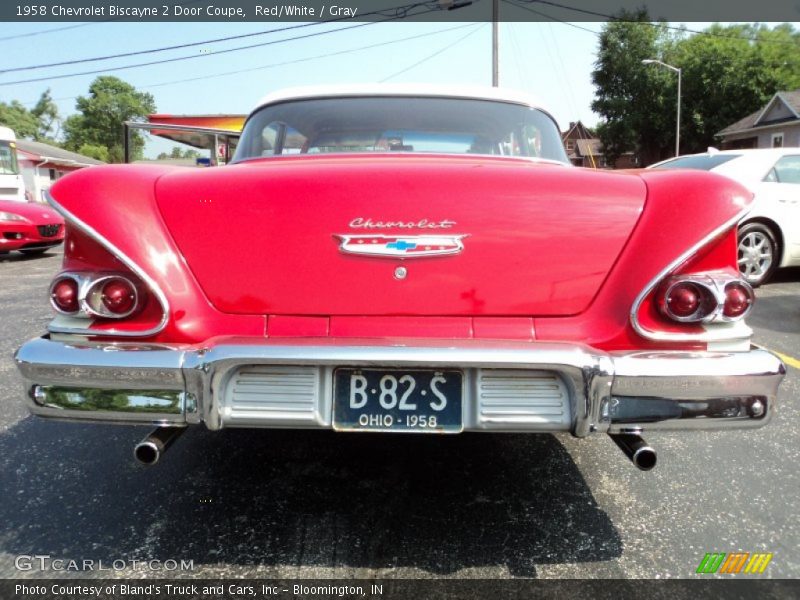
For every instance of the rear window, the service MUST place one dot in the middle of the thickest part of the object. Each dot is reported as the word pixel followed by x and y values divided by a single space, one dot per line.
pixel 400 124
pixel 703 162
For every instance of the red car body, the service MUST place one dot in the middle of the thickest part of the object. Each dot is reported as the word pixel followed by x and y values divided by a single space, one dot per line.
pixel 262 286
pixel 31 228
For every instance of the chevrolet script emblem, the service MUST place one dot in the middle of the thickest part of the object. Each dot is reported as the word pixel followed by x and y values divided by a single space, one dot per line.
pixel 403 246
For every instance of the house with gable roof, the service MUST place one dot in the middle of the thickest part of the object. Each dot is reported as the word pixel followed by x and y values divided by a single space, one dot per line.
pixel 776 125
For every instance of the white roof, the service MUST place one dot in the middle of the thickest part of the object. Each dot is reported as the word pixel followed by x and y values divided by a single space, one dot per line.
pixel 7 134
pixel 402 89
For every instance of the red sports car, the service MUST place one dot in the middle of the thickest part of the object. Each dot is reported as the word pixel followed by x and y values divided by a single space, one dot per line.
pixel 29 228
pixel 400 259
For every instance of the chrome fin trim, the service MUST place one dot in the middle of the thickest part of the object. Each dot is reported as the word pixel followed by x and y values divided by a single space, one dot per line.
pixel 706 336
pixel 137 270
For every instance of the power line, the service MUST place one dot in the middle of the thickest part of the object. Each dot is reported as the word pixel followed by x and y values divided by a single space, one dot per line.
pixel 226 51
pixel 434 55
pixel 651 24
pixel 309 58
pixel 156 50
pixel 285 63
pixel 56 29
pixel 44 31
pixel 597 34
pixel 400 12
pixel 562 72
pixel 546 16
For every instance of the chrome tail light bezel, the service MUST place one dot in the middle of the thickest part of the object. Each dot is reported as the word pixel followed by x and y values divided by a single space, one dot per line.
pixel 714 286
pixel 51 294
pixel 90 303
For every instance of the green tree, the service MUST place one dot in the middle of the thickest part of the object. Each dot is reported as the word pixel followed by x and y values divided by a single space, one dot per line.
pixel 99 121
pixel 728 72
pixel 46 113
pixel 41 123
pixel 94 151
pixel 633 100
pixel 727 76
pixel 18 118
pixel 176 152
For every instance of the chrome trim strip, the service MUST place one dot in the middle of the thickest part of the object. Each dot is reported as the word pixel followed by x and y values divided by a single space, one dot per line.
pixel 594 379
pixel 706 336
pixel 693 374
pixel 151 284
pixel 130 365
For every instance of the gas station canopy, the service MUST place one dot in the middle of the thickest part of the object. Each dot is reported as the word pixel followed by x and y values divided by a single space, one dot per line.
pixel 194 130
pixel 217 133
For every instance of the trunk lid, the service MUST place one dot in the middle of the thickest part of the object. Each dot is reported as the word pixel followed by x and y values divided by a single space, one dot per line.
pixel 275 236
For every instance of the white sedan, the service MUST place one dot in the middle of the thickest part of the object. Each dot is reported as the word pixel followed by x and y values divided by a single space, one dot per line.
pixel 769 235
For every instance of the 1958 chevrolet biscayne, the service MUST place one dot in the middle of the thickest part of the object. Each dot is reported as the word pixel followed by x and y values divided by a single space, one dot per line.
pixel 397 259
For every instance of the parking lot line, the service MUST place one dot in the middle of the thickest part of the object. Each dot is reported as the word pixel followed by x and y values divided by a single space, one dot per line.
pixel 789 360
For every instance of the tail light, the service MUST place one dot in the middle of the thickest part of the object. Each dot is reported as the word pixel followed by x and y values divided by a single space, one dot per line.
pixel 739 298
pixel 114 297
pixel 103 292
pixel 705 298
pixel 104 295
pixel 64 295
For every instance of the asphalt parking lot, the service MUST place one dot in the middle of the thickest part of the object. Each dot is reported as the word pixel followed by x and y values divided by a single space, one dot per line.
pixel 318 504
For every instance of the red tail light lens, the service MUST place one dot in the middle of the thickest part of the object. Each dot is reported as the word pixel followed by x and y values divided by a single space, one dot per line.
pixel 705 298
pixel 118 296
pixel 112 297
pixel 738 299
pixel 684 300
pixel 86 295
pixel 64 295
pixel 688 301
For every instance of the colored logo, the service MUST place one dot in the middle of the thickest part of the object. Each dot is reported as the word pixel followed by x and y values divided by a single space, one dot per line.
pixel 734 563
pixel 407 246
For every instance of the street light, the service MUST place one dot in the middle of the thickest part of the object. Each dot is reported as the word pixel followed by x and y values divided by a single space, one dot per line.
pixel 652 61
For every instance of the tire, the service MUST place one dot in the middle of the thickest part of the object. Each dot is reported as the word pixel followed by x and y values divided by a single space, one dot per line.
pixel 34 251
pixel 757 253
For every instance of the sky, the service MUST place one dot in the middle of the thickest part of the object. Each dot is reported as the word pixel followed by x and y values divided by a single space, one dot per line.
pixel 551 60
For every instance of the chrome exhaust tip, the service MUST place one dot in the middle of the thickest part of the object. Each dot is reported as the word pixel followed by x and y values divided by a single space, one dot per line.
pixel 637 450
pixel 155 444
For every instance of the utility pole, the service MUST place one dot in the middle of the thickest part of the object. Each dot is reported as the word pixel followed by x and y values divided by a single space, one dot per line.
pixel 495 43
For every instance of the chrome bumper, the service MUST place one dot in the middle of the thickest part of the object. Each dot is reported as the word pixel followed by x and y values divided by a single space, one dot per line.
pixel 585 390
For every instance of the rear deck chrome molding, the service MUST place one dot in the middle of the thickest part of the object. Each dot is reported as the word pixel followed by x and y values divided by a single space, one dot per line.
pixel 151 284
pixel 569 387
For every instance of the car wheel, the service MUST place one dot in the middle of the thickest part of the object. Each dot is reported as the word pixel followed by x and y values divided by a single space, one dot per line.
pixel 758 253
pixel 35 251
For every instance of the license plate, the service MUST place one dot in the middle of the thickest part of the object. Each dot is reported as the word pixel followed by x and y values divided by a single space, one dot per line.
pixel 422 401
